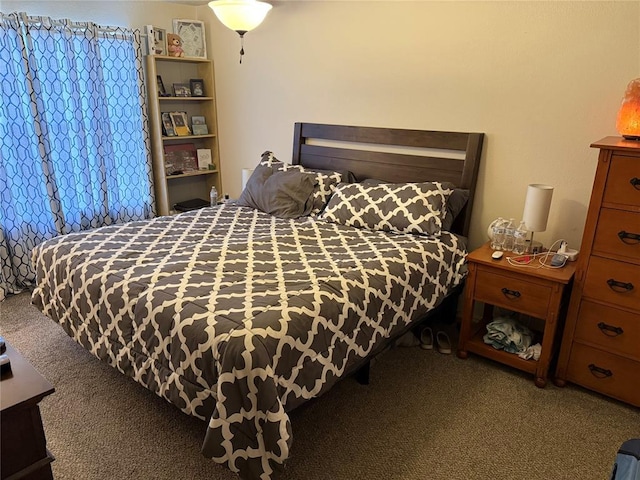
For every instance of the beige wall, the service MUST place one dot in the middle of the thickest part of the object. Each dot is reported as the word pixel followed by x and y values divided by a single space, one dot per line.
pixel 542 79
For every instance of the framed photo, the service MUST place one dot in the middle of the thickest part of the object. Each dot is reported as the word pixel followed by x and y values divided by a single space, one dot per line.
pixel 179 120
pixel 198 120
pixel 197 87
pixel 181 90
pixel 167 125
pixel 180 158
pixel 161 91
pixel 200 129
pixel 193 38
pixel 156 40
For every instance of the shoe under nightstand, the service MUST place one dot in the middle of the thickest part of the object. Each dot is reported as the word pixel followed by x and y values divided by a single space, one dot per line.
pixel 537 292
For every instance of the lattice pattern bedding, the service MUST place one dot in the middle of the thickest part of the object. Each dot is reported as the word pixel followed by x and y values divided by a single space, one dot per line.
pixel 236 316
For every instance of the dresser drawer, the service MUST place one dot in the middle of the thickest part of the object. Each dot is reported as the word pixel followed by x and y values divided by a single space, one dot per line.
pixel 618 233
pixel 623 182
pixel 614 282
pixel 512 293
pixel 606 373
pixel 612 329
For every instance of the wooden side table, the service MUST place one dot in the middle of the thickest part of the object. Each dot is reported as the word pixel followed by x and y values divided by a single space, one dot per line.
pixel 537 292
pixel 23 445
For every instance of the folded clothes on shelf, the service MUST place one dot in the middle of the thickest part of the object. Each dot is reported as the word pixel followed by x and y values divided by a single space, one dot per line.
pixel 508 335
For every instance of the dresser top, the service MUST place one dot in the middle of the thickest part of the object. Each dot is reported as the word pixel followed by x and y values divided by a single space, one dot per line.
pixel 618 143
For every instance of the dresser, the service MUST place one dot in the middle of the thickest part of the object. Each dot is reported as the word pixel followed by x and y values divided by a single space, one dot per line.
pixel 600 347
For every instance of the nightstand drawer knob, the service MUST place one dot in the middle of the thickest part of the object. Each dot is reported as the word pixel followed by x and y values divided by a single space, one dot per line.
pixel 621 287
pixel 610 330
pixel 635 181
pixel 629 238
pixel 510 293
pixel 600 372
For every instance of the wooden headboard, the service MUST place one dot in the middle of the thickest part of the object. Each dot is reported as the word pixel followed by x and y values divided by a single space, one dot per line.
pixel 394 155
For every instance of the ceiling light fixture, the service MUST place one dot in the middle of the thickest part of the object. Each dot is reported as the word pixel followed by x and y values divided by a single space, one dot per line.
pixel 241 16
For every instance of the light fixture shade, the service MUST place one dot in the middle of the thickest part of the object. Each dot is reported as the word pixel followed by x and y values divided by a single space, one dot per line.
pixel 246 173
pixel 536 207
pixel 240 15
pixel 628 123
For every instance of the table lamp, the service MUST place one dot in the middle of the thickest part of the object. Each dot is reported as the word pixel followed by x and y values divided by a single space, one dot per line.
pixel 536 210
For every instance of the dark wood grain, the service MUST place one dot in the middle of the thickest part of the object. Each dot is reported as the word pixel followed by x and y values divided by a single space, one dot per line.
pixel 407 156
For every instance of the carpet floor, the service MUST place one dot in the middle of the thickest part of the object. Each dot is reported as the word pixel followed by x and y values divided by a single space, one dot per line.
pixel 424 416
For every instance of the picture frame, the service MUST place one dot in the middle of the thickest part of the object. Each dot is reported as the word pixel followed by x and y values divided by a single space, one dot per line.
pixel 161 90
pixel 179 120
pixel 156 40
pixel 192 33
pixel 167 125
pixel 198 120
pixel 197 87
pixel 181 90
pixel 200 130
pixel 180 158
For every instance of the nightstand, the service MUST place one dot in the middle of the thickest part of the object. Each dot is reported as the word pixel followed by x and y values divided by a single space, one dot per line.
pixel 538 292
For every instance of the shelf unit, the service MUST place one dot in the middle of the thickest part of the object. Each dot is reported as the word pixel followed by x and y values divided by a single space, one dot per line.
pixel 170 189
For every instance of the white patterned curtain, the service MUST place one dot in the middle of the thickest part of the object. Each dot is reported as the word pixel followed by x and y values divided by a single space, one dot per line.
pixel 74 149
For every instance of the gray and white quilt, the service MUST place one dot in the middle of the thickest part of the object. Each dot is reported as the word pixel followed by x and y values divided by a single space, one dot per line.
pixel 236 316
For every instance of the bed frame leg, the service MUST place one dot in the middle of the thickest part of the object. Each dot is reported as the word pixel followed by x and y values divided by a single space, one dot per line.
pixel 362 374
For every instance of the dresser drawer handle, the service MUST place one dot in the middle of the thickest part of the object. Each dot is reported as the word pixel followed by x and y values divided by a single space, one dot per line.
pixel 620 287
pixel 635 182
pixel 629 238
pixel 600 372
pixel 510 293
pixel 610 330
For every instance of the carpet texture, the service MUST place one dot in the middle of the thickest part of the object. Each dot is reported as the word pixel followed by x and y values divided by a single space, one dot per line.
pixel 424 416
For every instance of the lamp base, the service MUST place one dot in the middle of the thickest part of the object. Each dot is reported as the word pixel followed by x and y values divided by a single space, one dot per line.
pixel 631 137
pixel 534 247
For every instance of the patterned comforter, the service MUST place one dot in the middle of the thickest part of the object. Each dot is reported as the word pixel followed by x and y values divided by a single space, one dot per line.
pixel 236 316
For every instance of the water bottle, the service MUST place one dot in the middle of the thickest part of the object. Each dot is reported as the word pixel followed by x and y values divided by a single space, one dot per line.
pixel 509 235
pixel 213 196
pixel 520 235
pixel 497 236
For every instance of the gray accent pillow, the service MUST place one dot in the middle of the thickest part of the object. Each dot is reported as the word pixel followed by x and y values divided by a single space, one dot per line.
pixel 455 203
pixel 284 194
pixel 326 180
pixel 416 208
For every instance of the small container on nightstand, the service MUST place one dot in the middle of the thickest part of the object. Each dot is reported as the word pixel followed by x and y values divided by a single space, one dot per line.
pixel 538 292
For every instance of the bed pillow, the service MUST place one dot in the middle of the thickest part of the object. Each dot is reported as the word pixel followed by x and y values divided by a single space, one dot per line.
pixel 455 203
pixel 416 208
pixel 284 194
pixel 326 180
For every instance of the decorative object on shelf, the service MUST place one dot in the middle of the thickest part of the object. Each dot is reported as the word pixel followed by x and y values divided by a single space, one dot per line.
pixel 179 120
pixel 197 87
pixel 241 16
pixel 181 90
pixel 167 125
pixel 199 125
pixel 204 158
pixel 174 45
pixel 536 209
pixel 156 40
pixel 180 158
pixel 628 123
pixel 161 90
pixel 193 37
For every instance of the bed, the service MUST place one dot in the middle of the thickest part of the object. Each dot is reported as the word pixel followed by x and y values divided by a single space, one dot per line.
pixel 238 316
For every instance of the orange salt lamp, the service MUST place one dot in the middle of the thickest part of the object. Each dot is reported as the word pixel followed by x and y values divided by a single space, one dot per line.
pixel 628 123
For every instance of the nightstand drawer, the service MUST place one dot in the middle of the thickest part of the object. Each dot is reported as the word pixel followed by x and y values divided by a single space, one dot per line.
pixel 618 233
pixel 614 330
pixel 606 373
pixel 622 182
pixel 512 293
pixel 613 282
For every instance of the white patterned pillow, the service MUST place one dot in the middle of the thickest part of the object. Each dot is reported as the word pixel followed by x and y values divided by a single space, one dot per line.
pixel 391 207
pixel 326 180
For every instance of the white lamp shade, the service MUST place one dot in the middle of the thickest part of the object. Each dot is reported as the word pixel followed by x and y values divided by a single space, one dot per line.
pixel 246 173
pixel 536 207
pixel 240 15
